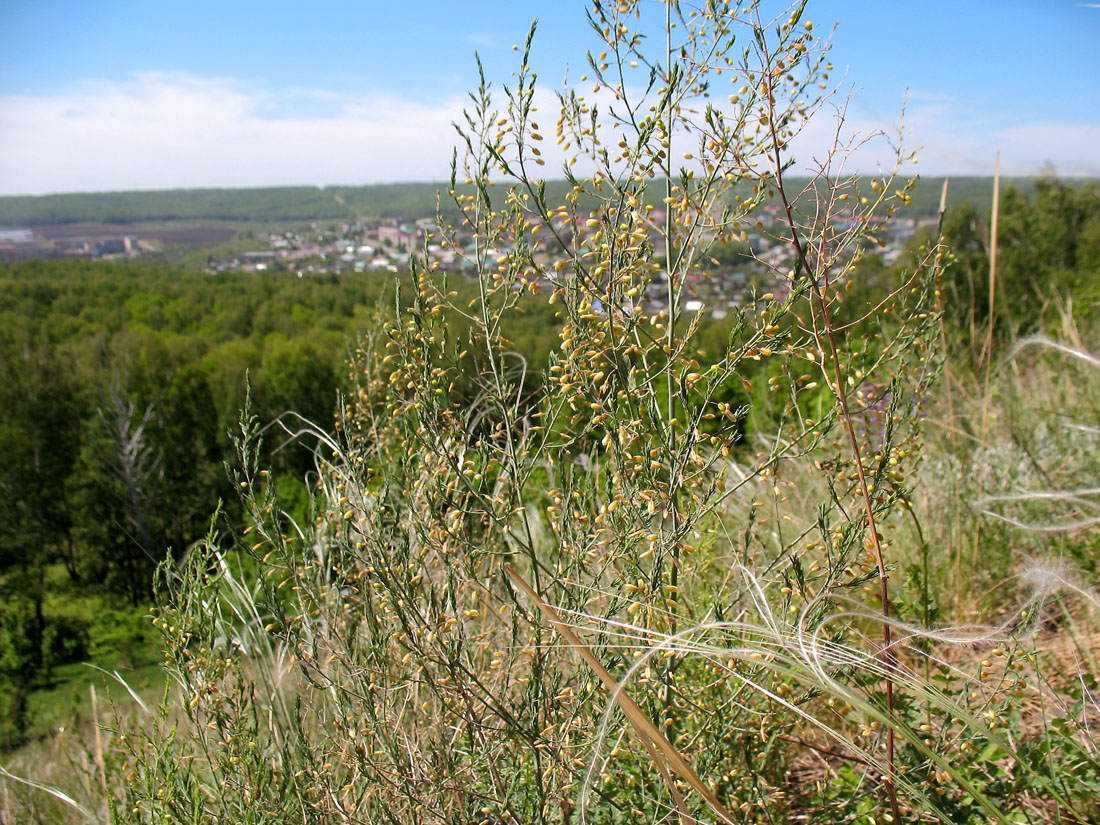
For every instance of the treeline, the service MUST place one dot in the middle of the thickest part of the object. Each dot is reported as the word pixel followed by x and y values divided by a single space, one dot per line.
pixel 267 204
pixel 299 203
pixel 1048 260
pixel 119 385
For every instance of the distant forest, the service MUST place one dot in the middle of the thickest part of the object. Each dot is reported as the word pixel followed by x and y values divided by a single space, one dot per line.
pixel 381 200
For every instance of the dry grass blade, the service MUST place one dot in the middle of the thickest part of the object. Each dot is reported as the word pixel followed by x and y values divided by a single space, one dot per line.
pixel 114 674
pixel 664 754
pixel 99 763
pixel 987 350
pixel 54 792
pixel 993 222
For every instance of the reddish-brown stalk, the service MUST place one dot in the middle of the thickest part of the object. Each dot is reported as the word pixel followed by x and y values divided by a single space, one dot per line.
pixel 889 658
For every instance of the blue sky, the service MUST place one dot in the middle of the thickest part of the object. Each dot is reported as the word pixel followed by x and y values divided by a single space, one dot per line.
pixel 135 95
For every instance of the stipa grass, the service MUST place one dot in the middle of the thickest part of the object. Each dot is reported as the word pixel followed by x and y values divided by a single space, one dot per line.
pixel 741 602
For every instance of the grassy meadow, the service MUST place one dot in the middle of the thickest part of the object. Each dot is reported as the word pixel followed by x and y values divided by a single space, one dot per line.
pixel 834 560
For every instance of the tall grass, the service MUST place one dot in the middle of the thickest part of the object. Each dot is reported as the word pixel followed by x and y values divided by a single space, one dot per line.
pixel 604 596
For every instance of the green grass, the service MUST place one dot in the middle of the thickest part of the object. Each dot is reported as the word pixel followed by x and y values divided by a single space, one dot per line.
pixel 100 632
pixel 64 703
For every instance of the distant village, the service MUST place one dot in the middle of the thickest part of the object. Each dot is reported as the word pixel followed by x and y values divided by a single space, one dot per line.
pixel 328 248
pixel 388 245
pixel 338 247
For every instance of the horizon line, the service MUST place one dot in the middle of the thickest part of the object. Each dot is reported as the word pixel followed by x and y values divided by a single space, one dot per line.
pixel 440 182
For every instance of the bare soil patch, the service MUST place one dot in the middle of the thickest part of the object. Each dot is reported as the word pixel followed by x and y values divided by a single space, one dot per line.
pixel 167 233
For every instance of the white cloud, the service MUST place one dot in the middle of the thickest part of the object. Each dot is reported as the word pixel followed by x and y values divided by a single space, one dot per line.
pixel 163 130
pixel 484 40
pixel 952 138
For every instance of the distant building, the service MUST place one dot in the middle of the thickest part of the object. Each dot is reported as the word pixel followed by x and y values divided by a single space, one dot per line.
pixel 114 246
pixel 21 244
pixel 400 236
pixel 78 247
pixel 17 236
pixel 262 257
